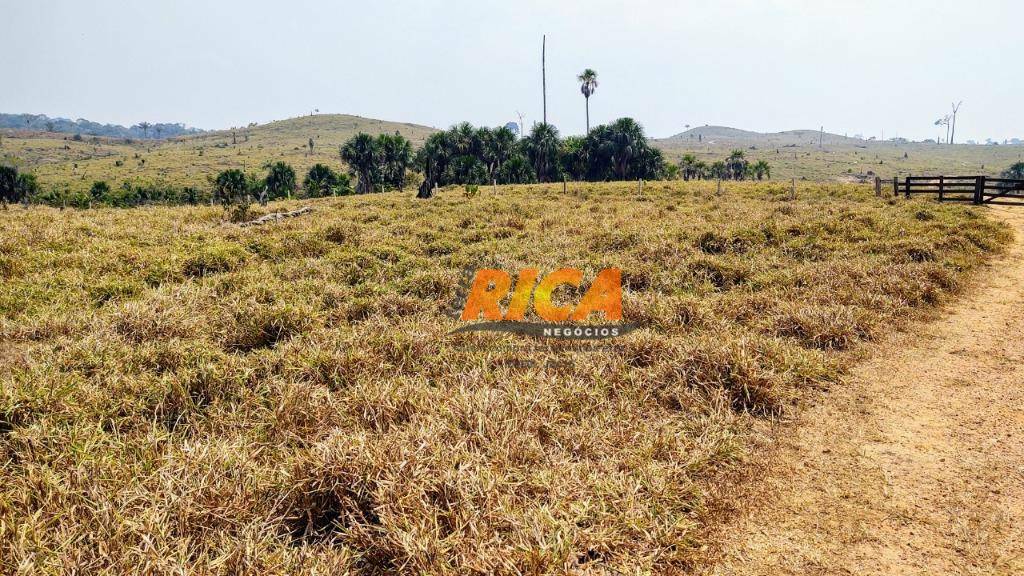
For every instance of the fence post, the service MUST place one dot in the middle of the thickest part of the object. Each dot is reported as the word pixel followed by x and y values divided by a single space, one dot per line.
pixel 979 187
pixel 895 186
pixel 878 186
pixel 908 187
pixel 941 186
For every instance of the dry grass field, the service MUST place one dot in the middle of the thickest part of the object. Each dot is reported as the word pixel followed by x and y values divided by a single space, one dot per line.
pixel 182 395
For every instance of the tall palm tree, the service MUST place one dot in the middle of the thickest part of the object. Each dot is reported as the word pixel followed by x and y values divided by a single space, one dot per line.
pixel 145 128
pixel 588 83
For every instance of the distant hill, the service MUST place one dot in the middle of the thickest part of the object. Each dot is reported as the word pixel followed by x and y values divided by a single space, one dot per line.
pixel 797 154
pixel 727 135
pixel 190 159
pixel 43 123
pixel 327 130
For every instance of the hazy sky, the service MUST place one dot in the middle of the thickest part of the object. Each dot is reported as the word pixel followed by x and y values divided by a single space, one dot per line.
pixel 766 65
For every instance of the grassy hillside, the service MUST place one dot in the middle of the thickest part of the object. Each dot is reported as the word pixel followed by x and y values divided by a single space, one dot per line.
pixel 188 161
pixel 181 394
pixel 796 154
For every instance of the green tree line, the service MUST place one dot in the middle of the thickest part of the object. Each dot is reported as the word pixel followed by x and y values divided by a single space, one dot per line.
pixel 463 154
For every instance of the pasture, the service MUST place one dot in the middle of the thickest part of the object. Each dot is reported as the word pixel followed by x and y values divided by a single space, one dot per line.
pixel 178 393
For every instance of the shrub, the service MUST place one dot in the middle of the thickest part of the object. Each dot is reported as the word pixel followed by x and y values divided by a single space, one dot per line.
pixel 99 192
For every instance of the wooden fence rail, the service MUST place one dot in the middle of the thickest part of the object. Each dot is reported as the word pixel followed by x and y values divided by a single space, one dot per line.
pixel 974 189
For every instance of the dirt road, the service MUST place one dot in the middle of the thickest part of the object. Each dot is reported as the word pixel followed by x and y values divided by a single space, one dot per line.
pixel 916 464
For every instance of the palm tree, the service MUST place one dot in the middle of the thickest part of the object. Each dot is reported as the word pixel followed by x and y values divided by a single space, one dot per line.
pixel 361 154
pixel 761 170
pixel 496 147
pixel 627 142
pixel 395 155
pixel 701 169
pixel 588 83
pixel 542 147
pixel 736 165
pixel 688 166
pixel 145 129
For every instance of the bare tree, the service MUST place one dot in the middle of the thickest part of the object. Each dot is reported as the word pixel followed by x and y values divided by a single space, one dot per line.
pixel 956 108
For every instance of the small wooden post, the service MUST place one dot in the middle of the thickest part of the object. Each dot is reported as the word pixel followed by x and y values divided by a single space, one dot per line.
pixel 494 185
pixel 907 191
pixel 895 187
pixel 878 186
pixel 942 187
pixel 719 191
pixel 979 187
pixel 792 189
pixel 563 186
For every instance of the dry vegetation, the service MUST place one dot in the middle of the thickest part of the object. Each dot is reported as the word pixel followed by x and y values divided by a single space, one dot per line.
pixel 178 394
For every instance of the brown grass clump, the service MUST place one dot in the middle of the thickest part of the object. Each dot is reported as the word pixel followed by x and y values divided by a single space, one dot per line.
pixel 181 395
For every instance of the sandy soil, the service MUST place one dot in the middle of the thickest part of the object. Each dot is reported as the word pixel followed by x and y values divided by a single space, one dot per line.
pixel 916 464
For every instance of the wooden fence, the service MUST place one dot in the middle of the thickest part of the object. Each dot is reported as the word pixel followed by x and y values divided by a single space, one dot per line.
pixel 973 189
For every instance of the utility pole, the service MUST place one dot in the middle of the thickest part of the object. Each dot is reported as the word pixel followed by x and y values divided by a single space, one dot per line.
pixel 821 136
pixel 543 74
